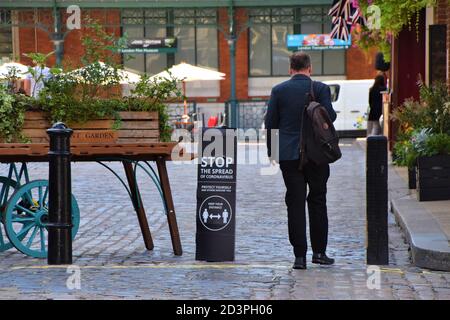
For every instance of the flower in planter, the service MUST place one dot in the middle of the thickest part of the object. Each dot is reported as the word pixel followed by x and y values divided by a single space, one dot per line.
pixel 436 144
pixel 446 108
pixel 422 143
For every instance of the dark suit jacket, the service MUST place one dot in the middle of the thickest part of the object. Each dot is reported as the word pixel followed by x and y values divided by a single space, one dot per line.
pixel 375 103
pixel 286 106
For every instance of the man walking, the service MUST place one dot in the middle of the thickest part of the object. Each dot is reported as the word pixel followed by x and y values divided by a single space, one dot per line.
pixel 284 113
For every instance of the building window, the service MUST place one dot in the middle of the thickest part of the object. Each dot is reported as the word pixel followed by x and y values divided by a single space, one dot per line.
pixel 195 29
pixel 145 24
pixel 6 39
pixel 268 54
pixel 260 52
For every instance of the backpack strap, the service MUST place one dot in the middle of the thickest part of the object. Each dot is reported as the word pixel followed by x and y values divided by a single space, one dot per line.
pixel 311 91
pixel 309 98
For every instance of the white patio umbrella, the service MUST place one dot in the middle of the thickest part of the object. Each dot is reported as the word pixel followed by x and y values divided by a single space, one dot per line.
pixel 126 77
pixel 186 72
pixel 5 68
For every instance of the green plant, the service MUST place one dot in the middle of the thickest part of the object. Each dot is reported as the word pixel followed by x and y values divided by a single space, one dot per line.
pixel 412 114
pixel 419 140
pixel 422 143
pixel 60 100
pixel 437 144
pixel 12 116
pixel 154 93
pixel 433 110
pixel 99 45
pixel 405 155
pixel 76 96
pixel 79 96
pixel 436 101
pixel 37 70
pixel 100 61
pixel 424 126
pixel 407 151
pixel 11 79
pixel 394 16
pixel 157 89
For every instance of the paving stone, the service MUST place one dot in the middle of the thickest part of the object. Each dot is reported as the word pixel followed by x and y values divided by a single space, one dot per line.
pixel 114 263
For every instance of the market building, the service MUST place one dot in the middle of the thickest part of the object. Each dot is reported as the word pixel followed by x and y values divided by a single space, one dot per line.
pixel 245 38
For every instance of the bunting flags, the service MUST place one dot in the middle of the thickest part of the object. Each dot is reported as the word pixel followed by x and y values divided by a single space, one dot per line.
pixel 344 14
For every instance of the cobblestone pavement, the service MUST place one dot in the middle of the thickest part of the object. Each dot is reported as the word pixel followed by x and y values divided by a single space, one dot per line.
pixel 115 265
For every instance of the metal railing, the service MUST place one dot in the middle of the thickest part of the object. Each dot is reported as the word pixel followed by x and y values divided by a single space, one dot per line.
pixel 250 113
pixel 176 110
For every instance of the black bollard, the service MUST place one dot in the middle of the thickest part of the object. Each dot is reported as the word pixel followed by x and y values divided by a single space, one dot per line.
pixel 60 196
pixel 377 201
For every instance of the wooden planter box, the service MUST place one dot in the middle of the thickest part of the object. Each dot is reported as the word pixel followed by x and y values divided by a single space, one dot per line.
pixel 136 127
pixel 433 178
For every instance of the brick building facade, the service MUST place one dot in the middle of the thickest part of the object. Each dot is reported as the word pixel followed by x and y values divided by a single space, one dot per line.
pixel 29 37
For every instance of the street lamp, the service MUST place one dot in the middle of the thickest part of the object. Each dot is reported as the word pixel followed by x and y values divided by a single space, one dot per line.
pixel 58 42
pixel 232 113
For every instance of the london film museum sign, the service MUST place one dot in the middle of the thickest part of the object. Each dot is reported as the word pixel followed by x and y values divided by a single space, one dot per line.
pixel 155 45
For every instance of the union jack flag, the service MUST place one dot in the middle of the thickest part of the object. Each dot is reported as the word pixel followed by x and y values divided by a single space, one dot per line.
pixel 345 14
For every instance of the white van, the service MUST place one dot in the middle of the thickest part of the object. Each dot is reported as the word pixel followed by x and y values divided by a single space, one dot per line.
pixel 350 99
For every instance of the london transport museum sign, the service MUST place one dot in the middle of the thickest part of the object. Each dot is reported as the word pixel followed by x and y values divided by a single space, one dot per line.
pixel 304 42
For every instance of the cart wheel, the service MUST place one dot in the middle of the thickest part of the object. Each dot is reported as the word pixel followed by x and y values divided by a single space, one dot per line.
pixel 7 187
pixel 26 216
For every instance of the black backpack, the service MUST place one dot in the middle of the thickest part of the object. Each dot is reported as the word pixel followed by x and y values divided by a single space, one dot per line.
pixel 319 142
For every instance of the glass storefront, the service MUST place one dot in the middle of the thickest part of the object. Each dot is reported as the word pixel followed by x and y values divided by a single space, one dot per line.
pixel 6 38
pixel 197 35
pixel 268 54
pixel 195 30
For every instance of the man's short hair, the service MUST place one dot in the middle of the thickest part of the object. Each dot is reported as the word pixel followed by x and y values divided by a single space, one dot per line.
pixel 300 61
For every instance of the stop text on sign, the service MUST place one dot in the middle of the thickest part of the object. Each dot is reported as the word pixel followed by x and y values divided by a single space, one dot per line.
pixel 218 162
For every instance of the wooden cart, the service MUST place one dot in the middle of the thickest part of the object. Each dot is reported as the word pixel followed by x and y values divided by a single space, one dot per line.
pixel 23 202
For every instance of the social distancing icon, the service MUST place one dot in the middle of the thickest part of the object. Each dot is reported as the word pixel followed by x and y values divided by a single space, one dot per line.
pixel 215 213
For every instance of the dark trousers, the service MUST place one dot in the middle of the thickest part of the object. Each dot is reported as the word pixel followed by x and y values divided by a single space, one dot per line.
pixel 315 177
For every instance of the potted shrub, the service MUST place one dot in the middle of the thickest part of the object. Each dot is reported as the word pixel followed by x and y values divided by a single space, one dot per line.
pixel 86 98
pixel 429 153
pixel 423 138
pixel 407 151
pixel 12 115
pixel 433 164
pixel 141 117
pixel 411 115
pixel 404 155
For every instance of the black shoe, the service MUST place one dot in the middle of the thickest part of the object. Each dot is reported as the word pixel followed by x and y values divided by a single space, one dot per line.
pixel 321 258
pixel 300 263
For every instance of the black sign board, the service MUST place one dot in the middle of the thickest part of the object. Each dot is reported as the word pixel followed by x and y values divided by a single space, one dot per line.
pixel 155 45
pixel 216 195
pixel 438 53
